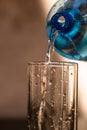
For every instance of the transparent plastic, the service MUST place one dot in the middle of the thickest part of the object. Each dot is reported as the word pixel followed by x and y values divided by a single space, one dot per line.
pixel 67 20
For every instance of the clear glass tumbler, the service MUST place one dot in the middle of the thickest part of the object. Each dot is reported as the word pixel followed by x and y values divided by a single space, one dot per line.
pixel 52 103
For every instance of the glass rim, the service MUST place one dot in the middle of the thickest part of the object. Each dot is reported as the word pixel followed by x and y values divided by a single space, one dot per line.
pixel 53 63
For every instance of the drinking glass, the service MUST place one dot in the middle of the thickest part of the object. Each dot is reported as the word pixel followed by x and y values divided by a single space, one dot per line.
pixel 52 96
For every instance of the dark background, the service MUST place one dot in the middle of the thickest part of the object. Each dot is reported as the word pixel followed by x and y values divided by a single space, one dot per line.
pixel 22 39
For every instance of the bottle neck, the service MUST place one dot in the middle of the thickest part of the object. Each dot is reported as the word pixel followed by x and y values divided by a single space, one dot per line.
pixel 63 22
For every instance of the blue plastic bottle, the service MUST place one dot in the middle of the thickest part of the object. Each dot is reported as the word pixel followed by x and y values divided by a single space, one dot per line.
pixel 69 19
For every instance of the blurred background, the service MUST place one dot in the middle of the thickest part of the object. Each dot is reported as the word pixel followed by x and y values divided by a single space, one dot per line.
pixel 23 39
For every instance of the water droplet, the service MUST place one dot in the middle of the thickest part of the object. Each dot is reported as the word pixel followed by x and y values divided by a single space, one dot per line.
pixel 51 126
pixel 65 105
pixel 61 119
pixel 52 103
pixel 73 109
pixel 71 73
pixel 54 70
pixel 50 82
pixel 38 75
pixel 36 84
pixel 69 118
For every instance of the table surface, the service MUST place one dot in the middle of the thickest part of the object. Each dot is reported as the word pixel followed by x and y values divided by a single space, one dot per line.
pixel 13 124
pixel 21 124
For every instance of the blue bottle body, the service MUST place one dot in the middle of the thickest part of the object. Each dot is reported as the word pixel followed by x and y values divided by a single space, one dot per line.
pixel 69 19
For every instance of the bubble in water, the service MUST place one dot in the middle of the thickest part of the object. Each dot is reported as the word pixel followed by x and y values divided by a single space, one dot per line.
pixel 38 75
pixel 69 118
pixel 61 118
pixel 54 69
pixel 36 84
pixel 52 103
pixel 52 126
pixel 50 82
pixel 65 105
pixel 71 73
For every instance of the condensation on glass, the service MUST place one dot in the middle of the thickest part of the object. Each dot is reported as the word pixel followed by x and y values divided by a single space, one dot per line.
pixel 52 96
